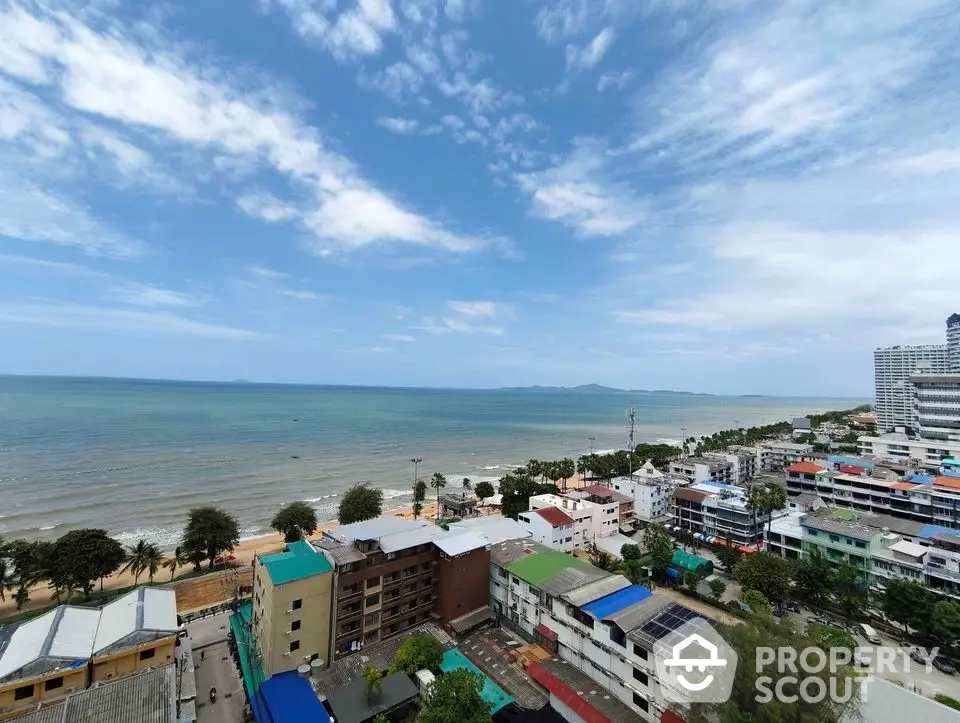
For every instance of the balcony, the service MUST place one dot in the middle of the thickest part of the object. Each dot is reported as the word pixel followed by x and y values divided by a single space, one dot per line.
pixel 350 594
pixel 349 613
pixel 941 572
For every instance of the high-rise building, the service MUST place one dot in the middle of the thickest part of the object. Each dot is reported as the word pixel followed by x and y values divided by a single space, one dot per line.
pixel 936 405
pixel 953 342
pixel 893 368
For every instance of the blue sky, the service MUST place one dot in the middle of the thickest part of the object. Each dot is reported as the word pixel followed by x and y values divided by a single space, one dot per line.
pixel 720 195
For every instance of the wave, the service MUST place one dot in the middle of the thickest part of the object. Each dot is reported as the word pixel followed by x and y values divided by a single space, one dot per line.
pixel 321 498
pixel 54 526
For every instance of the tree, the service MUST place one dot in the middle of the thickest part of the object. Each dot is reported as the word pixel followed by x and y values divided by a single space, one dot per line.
pixel 567 469
pixel 21 597
pixel 381 718
pixel 766 573
pixel 373 682
pixel 360 502
pixel 153 561
pixel 83 556
pixel 295 521
pixel 418 652
pixel 691 580
pixel 811 578
pixel 748 703
pixel 467 485
pixel 945 621
pixel 136 559
pixel 419 495
pixel 177 560
pixel 516 489
pixel 908 603
pixel 634 571
pixel 210 531
pixel 849 590
pixel 630 552
pixel 728 556
pixel 602 559
pixel 659 547
pixel 455 698
pixel 483 491
pixel 6 577
pixel 717 588
pixel 757 602
pixel 827 637
pixel 438 482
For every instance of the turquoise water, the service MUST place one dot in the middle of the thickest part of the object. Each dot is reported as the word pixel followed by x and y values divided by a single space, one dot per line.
pixel 132 456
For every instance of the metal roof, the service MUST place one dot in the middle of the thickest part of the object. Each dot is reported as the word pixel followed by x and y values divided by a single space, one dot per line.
pixel 572 578
pixel 458 542
pixel 143 609
pixel 554 516
pixel 406 539
pixel 340 553
pixel 74 632
pixel 595 590
pixel 507 552
pixel 373 529
pixel 351 704
pixel 299 561
pixel 616 602
pixel 580 692
pixel 850 529
pixel 541 566
pixel 631 618
pixel 493 528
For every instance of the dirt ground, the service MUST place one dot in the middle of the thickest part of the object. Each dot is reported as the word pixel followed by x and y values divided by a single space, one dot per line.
pixel 200 592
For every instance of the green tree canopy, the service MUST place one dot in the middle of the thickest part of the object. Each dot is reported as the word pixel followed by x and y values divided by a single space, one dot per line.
pixel 757 602
pixel 850 590
pixel 517 488
pixel 483 491
pixel 771 575
pixel 827 636
pixel 717 588
pixel 455 698
pixel 945 621
pixel 295 521
pixel 210 531
pixel 908 603
pixel 630 552
pixel 360 502
pixel 81 557
pixel 812 578
pixel 136 559
pixel 418 652
pixel 659 548
pixel 728 557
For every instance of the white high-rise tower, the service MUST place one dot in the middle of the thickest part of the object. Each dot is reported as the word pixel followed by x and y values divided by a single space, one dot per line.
pixel 953 343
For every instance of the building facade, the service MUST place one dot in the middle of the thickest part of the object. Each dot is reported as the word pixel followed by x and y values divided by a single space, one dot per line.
pixel 718 510
pixel 936 406
pixel 920 453
pixel 591 520
pixel 549 526
pixel 702 469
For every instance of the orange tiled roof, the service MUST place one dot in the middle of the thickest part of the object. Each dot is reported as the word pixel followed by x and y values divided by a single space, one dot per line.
pixel 805 468
pixel 555 516
pixel 903 486
pixel 951 482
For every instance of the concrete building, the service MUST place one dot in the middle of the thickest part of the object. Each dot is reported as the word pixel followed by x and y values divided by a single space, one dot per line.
pixel 917 453
pixel 841 539
pixel 893 368
pixel 953 343
pixel 743 465
pixel 716 510
pixel 591 520
pixel 778 455
pixel 492 528
pixel 549 526
pixel 936 406
pixel 785 536
pixel 70 648
pixel 700 469
pixel 651 491
pixel 604 495
pixel 292 600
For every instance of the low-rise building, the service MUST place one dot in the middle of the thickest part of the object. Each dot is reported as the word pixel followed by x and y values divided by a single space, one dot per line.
pixel 785 535
pixel 716 510
pixel 549 526
pixel 606 495
pixel 782 454
pixel 698 469
pixel 292 600
pixel 743 465
pixel 492 528
pixel 841 539
pixel 917 452
pixel 590 519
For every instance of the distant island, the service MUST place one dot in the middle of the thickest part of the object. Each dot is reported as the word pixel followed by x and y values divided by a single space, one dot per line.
pixel 598 389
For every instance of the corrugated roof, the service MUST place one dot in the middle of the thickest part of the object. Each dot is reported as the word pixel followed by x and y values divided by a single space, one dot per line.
pixel 373 529
pixel 948 482
pixel 633 617
pixel 615 602
pixel 493 528
pixel 588 699
pixel 903 486
pixel 340 553
pixel 298 562
pixel 689 561
pixel 908 548
pixel 572 578
pixel 851 529
pixel 928 531
pixel 140 609
pixel 406 539
pixel 685 493
pixel 596 590
pixel 351 704
pixel 507 552
pixel 74 632
pixel 26 643
pixel 290 699
pixel 458 542
pixel 541 566
pixel 554 516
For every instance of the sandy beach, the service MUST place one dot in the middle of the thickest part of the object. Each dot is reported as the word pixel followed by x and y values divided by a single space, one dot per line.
pixel 41 595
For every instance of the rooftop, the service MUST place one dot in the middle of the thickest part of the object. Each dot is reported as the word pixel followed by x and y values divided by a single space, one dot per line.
pixel 886 701
pixel 573 578
pixel 459 542
pixel 492 528
pixel 690 495
pixel 507 552
pixel 948 482
pixel 290 699
pixel 596 589
pixel 351 704
pixel 849 528
pixel 790 446
pixel 580 693
pixel 541 566
pixel 911 549
pixel 805 468
pixel 554 516
pixel 373 529
pixel 616 602
pixel 299 561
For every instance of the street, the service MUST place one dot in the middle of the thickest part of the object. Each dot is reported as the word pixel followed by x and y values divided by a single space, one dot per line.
pixel 215 669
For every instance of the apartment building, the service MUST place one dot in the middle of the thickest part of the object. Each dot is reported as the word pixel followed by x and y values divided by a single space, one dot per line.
pixel 893 368
pixel 591 520
pixel 549 526
pixel 292 607
pixel 651 491
pixel 785 535
pixel 916 452
pixel 701 469
pixel 716 510
pixel 388 573
pixel 936 406
pixel 743 465
pixel 841 539
pixel 778 455
pixel 604 495
pixel 68 649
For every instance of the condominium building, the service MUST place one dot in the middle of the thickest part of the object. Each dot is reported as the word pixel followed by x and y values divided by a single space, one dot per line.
pixel 701 469
pixel 292 600
pixel 716 510
pixel 924 453
pixel 936 405
pixel 893 368
pixel 777 455
pixel 743 465
pixel 953 343
pixel 651 491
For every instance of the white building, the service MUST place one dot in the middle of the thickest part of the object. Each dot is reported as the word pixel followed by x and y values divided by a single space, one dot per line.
pixel 549 526
pixel 898 559
pixel 713 509
pixel 743 465
pixel 701 469
pixel 492 528
pixel 926 453
pixel 590 519
pixel 778 455
pixel 953 343
pixel 893 368
pixel 936 406
pixel 651 498
pixel 785 535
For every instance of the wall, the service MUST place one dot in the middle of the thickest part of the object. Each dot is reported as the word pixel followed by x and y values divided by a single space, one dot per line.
pixel 463 584
pixel 125 662
pixel 73 679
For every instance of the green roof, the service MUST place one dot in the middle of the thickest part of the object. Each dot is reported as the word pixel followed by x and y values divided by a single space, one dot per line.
pixel 842 514
pixel 539 567
pixel 691 562
pixel 297 562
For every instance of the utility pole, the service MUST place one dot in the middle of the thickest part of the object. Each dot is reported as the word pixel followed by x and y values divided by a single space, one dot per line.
pixel 631 428
pixel 591 440
pixel 416 465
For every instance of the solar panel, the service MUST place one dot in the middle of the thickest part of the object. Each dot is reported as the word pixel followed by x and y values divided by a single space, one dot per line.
pixel 668 621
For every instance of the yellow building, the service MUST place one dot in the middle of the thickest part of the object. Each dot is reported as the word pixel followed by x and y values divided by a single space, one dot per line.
pixel 67 649
pixel 292 597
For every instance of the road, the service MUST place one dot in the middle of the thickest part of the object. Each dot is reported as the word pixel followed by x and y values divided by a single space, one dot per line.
pixel 208 638
pixel 207 631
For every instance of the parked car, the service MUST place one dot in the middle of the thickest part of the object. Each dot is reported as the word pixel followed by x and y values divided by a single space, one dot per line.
pixel 944 665
pixel 818 621
pixel 916 655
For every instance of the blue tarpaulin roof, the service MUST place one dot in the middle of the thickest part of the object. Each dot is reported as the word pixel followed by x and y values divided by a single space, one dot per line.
pixel 289 698
pixel 852 461
pixel 617 601
pixel 922 478
pixel 931 530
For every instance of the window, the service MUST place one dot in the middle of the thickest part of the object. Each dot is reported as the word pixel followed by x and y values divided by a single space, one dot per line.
pixel 639 652
pixel 640 702
pixel 373 581
pixel 295 625
pixel 640 675
pixel 295 645
pixel 859 544
pixel 147 654
pixel 834 538
pixel 373 599
pixel 297 604
pixel 24 691
pixel 53 683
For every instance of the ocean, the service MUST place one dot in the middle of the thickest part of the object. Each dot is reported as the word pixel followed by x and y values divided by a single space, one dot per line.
pixel 132 456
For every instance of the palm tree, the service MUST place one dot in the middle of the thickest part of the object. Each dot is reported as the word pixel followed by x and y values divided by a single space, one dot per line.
pixel 153 561
pixel 438 482
pixel 137 559
pixel 467 484
pixel 373 680
pixel 6 578
pixel 21 597
pixel 176 561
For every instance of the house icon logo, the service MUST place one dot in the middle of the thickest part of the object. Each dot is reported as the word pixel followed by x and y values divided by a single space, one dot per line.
pixel 695 664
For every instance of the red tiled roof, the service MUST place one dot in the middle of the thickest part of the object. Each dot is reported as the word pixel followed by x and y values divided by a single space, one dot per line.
pixel 569 696
pixel 903 486
pixel 951 482
pixel 852 469
pixel 555 516
pixel 805 468
pixel 598 490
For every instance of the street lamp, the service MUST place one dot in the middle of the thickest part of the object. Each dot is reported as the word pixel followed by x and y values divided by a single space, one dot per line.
pixel 591 440
pixel 416 464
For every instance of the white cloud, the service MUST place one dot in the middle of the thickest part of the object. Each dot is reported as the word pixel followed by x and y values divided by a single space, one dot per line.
pixel 468 317
pixel 564 19
pixel 579 193
pixel 478 309
pixel 96 317
pixel 591 53
pixel 66 267
pixel 401 126
pixel 614 80
pixel 403 338
pixel 148 87
pixel 396 80
pixel 357 31
pixel 264 273
pixel 145 295
pixel 300 295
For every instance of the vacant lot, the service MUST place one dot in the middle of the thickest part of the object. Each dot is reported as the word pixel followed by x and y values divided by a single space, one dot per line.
pixel 218 587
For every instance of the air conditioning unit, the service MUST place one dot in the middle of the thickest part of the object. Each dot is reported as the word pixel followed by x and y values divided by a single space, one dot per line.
pixel 286 654
pixel 290 611
pixel 289 632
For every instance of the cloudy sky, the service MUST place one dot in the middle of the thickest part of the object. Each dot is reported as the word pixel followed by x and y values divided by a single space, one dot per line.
pixel 709 195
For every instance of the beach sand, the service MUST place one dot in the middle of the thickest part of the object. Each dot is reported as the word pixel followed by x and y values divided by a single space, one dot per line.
pixel 41 595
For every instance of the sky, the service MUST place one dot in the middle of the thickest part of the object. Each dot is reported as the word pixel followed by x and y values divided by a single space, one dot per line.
pixel 723 196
